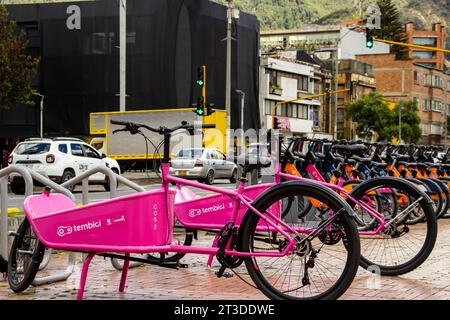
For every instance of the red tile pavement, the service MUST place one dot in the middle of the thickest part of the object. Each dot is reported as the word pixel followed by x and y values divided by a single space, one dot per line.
pixel 430 281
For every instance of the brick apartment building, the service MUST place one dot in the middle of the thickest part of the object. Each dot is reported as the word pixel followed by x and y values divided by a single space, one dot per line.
pixel 430 38
pixel 409 80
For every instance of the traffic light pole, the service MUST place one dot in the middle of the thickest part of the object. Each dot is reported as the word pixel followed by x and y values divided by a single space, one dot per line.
pixel 228 64
pixel 122 54
pixel 275 107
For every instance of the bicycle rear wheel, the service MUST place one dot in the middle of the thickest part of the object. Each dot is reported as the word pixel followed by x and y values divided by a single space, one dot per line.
pixel 325 259
pixel 399 247
pixel 25 257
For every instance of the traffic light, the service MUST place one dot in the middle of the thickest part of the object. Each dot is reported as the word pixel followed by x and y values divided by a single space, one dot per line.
pixel 276 124
pixel 209 109
pixel 369 38
pixel 201 75
pixel 199 107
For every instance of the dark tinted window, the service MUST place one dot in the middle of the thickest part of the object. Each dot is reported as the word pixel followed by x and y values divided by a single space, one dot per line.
pixel 76 149
pixel 32 148
pixel 62 148
pixel 90 152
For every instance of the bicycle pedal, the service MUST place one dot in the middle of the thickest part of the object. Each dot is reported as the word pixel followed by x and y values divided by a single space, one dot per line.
pixel 183 265
pixel 221 271
pixel 227 275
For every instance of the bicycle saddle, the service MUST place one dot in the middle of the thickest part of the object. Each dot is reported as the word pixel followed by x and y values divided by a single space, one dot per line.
pixel 379 164
pixel 353 148
pixel 365 161
pixel 408 164
pixel 400 157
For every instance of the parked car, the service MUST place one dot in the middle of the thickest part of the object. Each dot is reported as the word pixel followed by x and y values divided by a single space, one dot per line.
pixel 203 164
pixel 59 159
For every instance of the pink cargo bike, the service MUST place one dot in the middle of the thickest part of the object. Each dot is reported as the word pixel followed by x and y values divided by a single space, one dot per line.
pixel 286 258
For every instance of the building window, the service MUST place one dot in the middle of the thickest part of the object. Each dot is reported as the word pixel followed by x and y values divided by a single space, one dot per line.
pixel 437 82
pixel 302 83
pixel 425 41
pixel 273 77
pixel 315 115
pixel 416 77
pixel 303 112
pixel 423 54
pixel 425 105
pixel 436 106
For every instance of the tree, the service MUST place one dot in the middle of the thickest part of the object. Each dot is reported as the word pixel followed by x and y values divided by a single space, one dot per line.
pixel 392 28
pixel 411 131
pixel 16 67
pixel 373 116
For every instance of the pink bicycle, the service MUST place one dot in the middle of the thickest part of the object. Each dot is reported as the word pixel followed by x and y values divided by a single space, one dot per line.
pixel 285 257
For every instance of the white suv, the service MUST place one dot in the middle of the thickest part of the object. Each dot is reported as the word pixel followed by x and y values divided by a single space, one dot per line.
pixel 59 159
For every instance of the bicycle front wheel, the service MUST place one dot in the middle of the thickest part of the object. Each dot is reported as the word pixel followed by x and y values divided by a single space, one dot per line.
pixel 325 259
pixel 25 257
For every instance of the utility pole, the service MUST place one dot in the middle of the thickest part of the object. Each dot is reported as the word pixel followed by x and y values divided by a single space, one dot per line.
pixel 41 113
pixel 336 86
pixel 122 53
pixel 228 66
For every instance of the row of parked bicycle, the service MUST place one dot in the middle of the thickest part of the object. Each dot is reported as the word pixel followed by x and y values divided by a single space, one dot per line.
pixel 334 206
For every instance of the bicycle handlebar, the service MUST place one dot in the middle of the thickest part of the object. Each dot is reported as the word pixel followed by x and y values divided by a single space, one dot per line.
pixel 134 126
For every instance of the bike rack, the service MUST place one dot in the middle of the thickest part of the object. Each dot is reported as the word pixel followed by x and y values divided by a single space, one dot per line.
pixel 28 177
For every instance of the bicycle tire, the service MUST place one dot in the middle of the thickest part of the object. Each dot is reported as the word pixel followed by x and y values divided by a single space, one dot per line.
pixel 31 265
pixel 436 190
pixel 326 196
pixel 430 221
pixel 445 196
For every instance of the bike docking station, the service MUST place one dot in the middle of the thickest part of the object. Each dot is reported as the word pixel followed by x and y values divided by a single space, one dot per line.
pixel 29 176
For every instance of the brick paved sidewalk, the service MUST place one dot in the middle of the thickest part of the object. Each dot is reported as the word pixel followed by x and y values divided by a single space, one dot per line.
pixel 430 281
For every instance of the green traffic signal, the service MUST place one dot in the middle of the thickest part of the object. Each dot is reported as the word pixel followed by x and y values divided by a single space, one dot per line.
pixel 369 38
pixel 199 106
pixel 199 111
pixel 200 82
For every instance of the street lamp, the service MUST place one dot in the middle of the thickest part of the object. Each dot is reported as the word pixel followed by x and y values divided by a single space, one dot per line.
pixel 336 74
pixel 41 111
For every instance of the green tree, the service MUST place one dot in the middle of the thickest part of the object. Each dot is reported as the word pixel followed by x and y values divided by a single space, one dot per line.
pixel 372 116
pixel 16 67
pixel 411 131
pixel 392 28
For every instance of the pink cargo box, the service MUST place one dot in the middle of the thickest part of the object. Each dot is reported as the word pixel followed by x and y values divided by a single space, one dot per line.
pixel 125 224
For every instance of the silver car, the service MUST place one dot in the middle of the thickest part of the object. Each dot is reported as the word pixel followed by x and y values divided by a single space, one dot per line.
pixel 202 164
